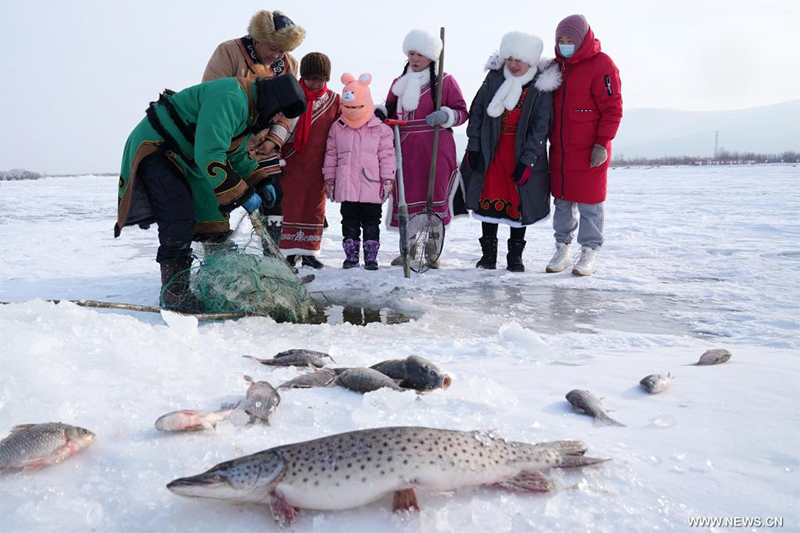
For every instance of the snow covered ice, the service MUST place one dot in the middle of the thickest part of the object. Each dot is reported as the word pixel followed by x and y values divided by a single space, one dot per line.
pixel 695 258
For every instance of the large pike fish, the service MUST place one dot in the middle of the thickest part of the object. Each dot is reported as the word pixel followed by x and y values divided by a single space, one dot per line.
pixel 352 469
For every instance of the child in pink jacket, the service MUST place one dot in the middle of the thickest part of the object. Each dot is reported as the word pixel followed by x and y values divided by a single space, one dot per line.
pixel 359 170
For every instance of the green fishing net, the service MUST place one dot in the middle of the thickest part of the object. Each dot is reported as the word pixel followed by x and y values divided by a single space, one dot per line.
pixel 249 279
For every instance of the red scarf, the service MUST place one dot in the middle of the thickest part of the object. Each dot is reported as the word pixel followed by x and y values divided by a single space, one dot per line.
pixel 303 128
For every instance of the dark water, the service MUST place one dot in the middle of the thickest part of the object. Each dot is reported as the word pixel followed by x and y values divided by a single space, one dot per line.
pixel 360 316
pixel 556 310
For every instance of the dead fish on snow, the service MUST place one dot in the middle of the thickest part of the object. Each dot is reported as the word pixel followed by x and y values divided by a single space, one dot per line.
pixel 295 357
pixel 414 372
pixel 363 380
pixel 191 420
pixel 655 383
pixel 352 469
pixel 585 402
pixel 34 446
pixel 319 378
pixel 713 357
pixel 261 401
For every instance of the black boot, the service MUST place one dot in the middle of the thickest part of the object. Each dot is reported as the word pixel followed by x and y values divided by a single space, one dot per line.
pixel 313 262
pixel 489 248
pixel 175 293
pixel 514 257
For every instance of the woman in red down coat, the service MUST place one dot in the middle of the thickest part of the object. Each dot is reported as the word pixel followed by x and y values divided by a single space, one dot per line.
pixel 587 114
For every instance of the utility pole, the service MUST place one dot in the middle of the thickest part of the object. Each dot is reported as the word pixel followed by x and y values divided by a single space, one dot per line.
pixel 716 144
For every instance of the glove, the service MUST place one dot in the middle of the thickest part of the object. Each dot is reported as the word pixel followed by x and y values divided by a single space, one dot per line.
pixel 380 112
pixel 329 190
pixel 268 195
pixel 252 203
pixel 249 200
pixel 521 174
pixel 599 155
pixel 437 118
pixel 474 159
pixel 387 187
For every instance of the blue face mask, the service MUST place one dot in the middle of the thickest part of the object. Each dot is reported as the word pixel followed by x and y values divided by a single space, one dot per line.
pixel 566 49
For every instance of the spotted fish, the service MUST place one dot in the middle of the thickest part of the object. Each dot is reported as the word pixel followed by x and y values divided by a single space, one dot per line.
pixel 352 469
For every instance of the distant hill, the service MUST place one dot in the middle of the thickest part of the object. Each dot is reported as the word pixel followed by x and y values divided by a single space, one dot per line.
pixel 657 132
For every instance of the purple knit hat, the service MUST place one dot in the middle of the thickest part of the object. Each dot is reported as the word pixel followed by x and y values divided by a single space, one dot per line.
pixel 575 27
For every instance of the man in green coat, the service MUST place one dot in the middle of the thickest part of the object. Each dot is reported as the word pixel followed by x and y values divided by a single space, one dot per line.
pixel 185 167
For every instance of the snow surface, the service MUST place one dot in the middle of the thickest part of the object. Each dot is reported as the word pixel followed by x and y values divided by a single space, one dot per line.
pixel 696 258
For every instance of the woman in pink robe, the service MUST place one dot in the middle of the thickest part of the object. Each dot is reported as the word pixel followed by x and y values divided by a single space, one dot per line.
pixel 412 98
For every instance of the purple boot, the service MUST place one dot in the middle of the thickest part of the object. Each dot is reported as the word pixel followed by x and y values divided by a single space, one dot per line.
pixel 351 249
pixel 371 254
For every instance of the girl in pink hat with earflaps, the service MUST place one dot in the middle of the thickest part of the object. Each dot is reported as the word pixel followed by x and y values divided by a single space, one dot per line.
pixel 359 170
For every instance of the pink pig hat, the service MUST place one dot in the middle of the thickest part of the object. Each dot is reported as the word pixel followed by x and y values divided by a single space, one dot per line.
pixel 357 106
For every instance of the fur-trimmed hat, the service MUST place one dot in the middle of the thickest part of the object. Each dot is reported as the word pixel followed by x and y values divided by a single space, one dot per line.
pixel 422 43
pixel 315 64
pixel 276 30
pixel 522 46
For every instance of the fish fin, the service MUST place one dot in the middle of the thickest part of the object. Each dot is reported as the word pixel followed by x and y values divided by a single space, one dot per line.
pixel 329 357
pixel 229 406
pixel 268 362
pixel 282 510
pixel 530 481
pixel 34 467
pixel 405 500
pixel 248 379
pixel 20 428
pixel 208 425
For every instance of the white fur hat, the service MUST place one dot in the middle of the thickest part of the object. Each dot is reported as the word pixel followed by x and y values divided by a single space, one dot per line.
pixel 522 46
pixel 423 43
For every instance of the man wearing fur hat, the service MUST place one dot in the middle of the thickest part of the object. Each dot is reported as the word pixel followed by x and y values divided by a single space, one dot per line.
pixel 412 98
pixel 507 177
pixel 588 111
pixel 263 53
pixel 304 152
pixel 185 168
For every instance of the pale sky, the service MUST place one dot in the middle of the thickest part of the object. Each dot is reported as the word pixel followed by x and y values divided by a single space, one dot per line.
pixel 77 75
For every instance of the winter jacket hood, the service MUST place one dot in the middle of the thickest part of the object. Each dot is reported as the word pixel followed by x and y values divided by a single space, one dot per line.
pixel 590 48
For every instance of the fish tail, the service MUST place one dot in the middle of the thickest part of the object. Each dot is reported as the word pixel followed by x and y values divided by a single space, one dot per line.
pixel 572 454
pixel 604 420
